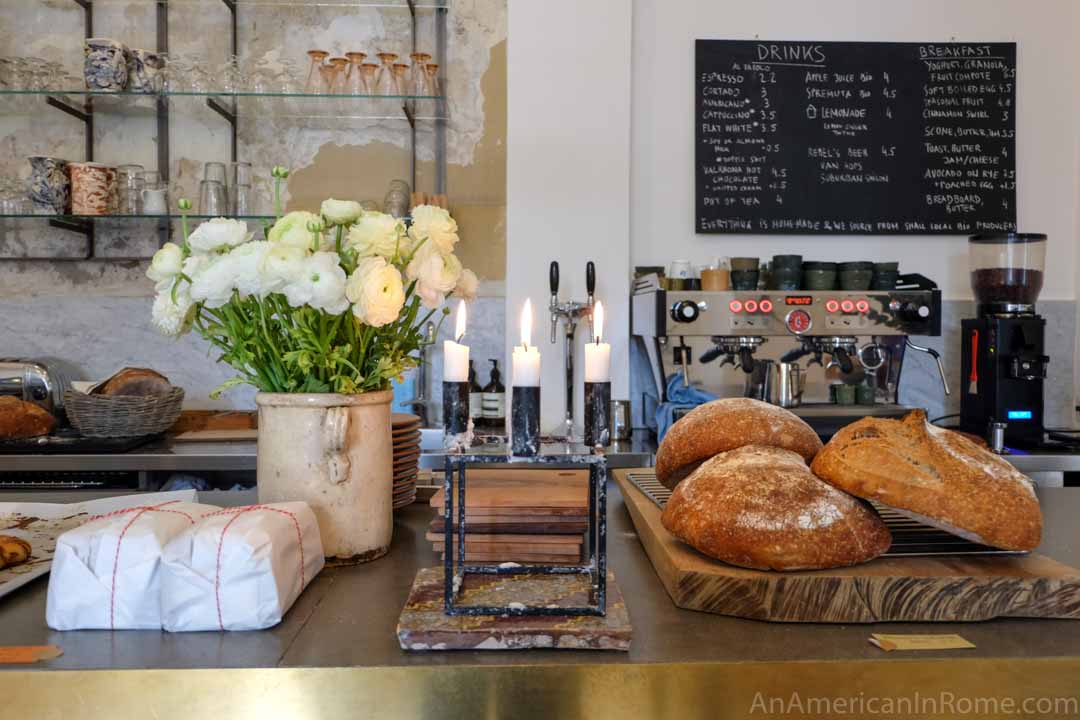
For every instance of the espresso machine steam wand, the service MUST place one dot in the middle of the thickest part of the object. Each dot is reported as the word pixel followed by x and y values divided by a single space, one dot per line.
pixel 570 312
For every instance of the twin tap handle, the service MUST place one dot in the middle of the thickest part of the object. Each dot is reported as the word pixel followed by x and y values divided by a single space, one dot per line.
pixel 574 309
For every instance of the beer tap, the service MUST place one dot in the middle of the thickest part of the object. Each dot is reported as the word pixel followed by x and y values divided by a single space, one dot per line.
pixel 570 312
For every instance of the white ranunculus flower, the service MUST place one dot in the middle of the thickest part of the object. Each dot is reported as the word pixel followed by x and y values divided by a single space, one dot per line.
pixel 213 285
pixel 467 285
pixel 166 265
pixel 376 291
pixel 173 319
pixel 292 229
pixel 436 274
pixel 321 284
pixel 434 224
pixel 218 234
pixel 378 234
pixel 247 263
pixel 281 265
pixel 341 212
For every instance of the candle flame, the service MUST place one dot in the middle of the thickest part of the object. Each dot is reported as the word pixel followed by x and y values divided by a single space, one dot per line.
pixel 526 323
pixel 459 331
pixel 598 321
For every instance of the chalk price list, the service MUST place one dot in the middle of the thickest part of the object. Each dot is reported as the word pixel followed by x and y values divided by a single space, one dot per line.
pixel 794 138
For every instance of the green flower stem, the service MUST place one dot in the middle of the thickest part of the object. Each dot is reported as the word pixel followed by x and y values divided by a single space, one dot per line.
pixel 340 234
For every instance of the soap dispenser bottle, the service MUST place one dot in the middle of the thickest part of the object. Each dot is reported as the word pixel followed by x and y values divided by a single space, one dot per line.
pixel 494 400
pixel 476 398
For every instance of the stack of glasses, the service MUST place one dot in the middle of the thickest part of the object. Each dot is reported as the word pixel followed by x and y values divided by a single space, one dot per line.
pixel 219 196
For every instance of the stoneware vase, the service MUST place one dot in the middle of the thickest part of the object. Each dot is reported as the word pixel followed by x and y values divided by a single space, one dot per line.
pixel 335 453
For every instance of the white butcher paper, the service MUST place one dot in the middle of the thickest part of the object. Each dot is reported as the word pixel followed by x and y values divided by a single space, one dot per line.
pixel 106 573
pixel 240 568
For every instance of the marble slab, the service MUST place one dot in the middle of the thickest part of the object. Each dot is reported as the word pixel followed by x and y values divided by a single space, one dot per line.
pixel 423 626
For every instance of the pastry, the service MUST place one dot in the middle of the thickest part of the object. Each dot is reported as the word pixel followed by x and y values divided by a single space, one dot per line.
pixel 761 507
pixel 21 419
pixel 727 424
pixel 13 551
pixel 936 476
pixel 136 381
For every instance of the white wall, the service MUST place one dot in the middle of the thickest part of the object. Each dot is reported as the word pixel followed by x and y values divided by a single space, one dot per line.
pixel 1048 123
pixel 568 169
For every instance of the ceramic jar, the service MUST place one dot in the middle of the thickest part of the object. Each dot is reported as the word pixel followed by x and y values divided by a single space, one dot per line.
pixel 335 453
pixel 143 70
pixel 819 275
pixel 105 65
pixel 856 275
pixel 93 188
pixel 886 275
pixel 50 186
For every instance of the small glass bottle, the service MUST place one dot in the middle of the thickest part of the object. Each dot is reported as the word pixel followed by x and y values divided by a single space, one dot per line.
pixel 476 398
pixel 494 399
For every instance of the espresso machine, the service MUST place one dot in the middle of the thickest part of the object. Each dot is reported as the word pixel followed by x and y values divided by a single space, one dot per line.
pixel 1003 361
pixel 841 332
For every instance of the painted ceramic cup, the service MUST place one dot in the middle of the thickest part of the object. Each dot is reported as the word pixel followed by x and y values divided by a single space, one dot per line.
pixel 105 66
pixel 143 69
pixel 93 188
pixel 50 187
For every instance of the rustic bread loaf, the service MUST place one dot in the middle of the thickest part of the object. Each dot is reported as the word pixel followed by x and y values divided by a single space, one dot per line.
pixel 761 507
pixel 136 381
pixel 21 419
pixel 723 425
pixel 936 476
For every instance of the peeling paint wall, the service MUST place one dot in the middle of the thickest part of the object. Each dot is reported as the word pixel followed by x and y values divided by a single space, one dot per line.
pixel 340 157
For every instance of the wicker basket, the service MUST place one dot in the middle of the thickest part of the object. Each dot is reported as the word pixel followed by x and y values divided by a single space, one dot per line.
pixel 115 416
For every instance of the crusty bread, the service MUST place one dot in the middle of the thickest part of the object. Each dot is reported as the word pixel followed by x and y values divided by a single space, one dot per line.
pixel 723 425
pixel 136 381
pixel 21 419
pixel 760 507
pixel 936 475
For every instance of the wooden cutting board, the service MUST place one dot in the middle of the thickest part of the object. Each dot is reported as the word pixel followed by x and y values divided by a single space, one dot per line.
pixel 524 489
pixel 218 435
pixel 916 589
pixel 509 525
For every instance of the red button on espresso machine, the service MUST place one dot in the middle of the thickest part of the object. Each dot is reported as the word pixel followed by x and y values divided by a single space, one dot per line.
pixel 751 306
pixel 735 306
pixel 765 306
pixel 862 306
pixel 847 306
pixel 832 306
pixel 798 321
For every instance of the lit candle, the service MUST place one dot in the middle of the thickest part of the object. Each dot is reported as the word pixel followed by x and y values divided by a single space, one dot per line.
pixel 456 355
pixel 597 353
pixel 526 359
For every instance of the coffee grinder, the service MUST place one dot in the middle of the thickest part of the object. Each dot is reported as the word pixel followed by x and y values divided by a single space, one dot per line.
pixel 1002 356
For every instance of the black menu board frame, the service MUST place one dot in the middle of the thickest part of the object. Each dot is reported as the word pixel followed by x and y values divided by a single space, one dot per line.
pixel 842 138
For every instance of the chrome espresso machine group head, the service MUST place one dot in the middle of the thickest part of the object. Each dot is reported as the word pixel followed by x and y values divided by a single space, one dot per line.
pixel 826 326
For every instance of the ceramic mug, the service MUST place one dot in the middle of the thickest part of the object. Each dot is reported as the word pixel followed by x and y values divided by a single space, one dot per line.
pixel 155 201
pixel 93 188
pixel 50 186
pixel 105 66
pixel 143 70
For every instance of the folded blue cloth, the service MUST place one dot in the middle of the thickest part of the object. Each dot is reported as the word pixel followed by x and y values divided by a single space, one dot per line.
pixel 680 397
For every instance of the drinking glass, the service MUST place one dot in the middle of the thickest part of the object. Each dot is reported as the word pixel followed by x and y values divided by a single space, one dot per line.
pixel 213 200
pixel 354 78
pixel 315 84
pixel 240 188
pixel 129 189
pixel 396 202
pixel 431 87
pixel 386 82
pixel 418 75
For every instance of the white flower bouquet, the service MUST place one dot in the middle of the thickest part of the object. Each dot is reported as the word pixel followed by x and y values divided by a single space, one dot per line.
pixel 333 302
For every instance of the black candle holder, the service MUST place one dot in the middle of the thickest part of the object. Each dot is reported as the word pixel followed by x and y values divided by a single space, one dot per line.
pixel 455 569
pixel 525 421
pixel 456 420
pixel 598 414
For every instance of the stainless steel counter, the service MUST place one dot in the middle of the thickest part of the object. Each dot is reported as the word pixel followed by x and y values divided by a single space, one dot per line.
pixel 336 654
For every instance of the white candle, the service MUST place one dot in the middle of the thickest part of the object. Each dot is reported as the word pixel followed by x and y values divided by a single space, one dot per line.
pixel 456 355
pixel 526 359
pixel 598 354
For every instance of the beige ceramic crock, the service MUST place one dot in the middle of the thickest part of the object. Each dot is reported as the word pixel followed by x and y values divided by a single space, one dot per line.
pixel 335 453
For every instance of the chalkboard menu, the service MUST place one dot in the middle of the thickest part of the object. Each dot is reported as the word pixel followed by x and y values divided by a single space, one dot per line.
pixel 855 137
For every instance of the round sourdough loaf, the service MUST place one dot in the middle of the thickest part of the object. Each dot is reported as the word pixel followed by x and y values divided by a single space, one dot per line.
pixel 761 507
pixel 723 425
pixel 937 476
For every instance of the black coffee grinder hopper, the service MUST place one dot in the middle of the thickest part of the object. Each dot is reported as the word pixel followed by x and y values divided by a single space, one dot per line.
pixel 1003 360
